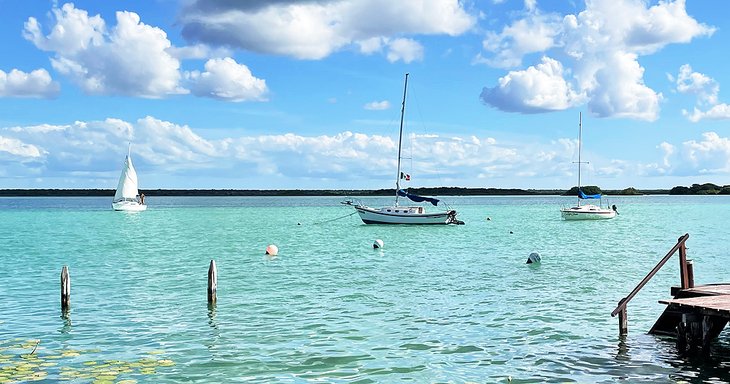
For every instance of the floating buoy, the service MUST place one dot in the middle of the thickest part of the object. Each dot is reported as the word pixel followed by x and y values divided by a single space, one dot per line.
pixel 272 250
pixel 378 244
pixel 534 258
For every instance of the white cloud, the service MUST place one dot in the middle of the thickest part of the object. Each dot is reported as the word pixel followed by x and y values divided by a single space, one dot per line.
pixel 377 105
pixel 706 89
pixel 701 85
pixel 162 150
pixel 710 155
pixel 37 83
pixel 406 50
pixel 19 149
pixel 169 155
pixel 224 79
pixel 537 89
pixel 620 90
pixel 130 59
pixel 601 46
pixel 198 51
pixel 534 33
pixel 668 150
pixel 717 112
pixel 316 29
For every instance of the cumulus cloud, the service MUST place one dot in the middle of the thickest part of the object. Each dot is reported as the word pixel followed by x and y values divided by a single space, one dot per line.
pixel 709 155
pixel 539 88
pixel 377 105
pixel 600 49
pixel 37 83
pixel 706 89
pixel 315 29
pixel 224 79
pixel 535 33
pixel 128 59
pixel 172 152
pixel 621 92
pixel 406 50
pixel 716 112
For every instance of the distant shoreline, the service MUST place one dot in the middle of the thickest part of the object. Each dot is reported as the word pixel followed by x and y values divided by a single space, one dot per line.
pixel 438 191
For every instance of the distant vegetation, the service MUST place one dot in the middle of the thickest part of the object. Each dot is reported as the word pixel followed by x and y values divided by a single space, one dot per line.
pixel 695 189
pixel 701 189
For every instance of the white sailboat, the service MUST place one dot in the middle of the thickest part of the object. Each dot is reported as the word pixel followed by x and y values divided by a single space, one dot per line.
pixel 127 197
pixel 587 211
pixel 397 214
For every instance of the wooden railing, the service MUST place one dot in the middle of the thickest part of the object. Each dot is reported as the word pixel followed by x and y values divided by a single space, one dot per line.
pixel 686 280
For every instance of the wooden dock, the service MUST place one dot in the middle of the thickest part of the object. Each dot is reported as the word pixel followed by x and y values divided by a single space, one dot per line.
pixel 695 316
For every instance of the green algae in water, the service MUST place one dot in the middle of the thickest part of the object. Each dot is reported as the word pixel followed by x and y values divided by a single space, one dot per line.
pixel 18 365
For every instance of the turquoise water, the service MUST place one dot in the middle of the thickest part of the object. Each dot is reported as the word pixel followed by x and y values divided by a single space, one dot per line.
pixel 436 304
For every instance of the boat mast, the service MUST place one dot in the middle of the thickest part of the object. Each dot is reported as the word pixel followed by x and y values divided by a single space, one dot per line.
pixel 400 139
pixel 580 140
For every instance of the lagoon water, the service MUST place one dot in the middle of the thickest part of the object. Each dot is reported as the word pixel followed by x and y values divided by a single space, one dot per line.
pixel 436 304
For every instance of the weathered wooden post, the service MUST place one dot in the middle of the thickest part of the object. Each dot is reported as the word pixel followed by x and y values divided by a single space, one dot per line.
pixel 65 289
pixel 690 273
pixel 623 322
pixel 212 283
pixel 683 274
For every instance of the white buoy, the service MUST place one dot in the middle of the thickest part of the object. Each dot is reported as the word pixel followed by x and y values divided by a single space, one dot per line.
pixel 534 258
pixel 378 244
pixel 272 250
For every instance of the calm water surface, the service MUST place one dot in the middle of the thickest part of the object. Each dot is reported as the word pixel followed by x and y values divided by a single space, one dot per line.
pixel 436 304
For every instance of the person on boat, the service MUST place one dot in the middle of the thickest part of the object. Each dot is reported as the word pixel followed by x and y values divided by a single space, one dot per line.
pixel 141 198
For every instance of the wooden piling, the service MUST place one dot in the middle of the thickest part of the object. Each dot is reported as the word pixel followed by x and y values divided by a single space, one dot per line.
pixel 212 283
pixel 65 289
pixel 623 322
pixel 690 273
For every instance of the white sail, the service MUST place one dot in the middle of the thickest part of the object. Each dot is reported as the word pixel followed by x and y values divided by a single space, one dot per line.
pixel 127 197
pixel 127 187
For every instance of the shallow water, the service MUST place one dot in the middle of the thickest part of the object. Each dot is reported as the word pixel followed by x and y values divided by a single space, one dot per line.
pixel 436 304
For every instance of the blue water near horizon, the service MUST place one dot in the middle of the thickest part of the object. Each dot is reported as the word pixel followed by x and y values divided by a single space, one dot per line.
pixel 436 304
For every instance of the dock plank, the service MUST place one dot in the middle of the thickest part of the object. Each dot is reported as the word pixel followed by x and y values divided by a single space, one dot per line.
pixel 717 304
pixel 710 289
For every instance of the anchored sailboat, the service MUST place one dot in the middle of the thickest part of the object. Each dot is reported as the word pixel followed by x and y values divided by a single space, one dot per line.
pixel 397 214
pixel 127 197
pixel 586 211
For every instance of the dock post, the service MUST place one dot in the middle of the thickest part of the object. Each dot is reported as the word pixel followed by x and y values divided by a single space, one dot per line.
pixel 212 283
pixel 683 273
pixel 65 289
pixel 623 323
pixel 690 274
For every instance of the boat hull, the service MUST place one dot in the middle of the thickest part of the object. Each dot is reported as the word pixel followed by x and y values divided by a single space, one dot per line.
pixel 405 216
pixel 130 206
pixel 587 212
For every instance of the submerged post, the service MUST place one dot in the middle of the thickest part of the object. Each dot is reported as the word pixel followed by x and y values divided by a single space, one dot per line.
pixel 623 322
pixel 65 289
pixel 212 283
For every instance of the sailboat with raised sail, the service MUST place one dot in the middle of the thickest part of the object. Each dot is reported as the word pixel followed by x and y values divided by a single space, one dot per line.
pixel 399 214
pixel 127 197
pixel 583 211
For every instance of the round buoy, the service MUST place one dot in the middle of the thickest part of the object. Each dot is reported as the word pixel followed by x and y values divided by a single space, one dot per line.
pixel 272 250
pixel 534 258
pixel 378 244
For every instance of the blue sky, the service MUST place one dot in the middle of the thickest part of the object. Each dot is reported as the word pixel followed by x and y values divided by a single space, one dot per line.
pixel 306 94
